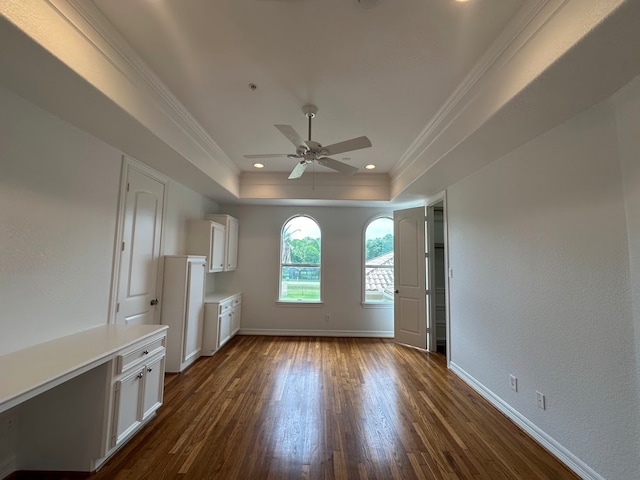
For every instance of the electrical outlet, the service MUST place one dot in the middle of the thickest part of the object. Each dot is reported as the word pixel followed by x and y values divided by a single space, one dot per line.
pixel 541 401
pixel 513 383
pixel 327 317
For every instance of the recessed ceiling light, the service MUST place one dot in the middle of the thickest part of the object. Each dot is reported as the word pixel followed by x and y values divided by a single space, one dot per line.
pixel 371 166
pixel 258 165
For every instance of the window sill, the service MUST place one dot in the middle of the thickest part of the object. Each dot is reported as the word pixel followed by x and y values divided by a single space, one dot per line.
pixel 376 305
pixel 300 303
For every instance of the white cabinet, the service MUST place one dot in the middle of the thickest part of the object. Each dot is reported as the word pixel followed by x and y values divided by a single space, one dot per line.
pixel 183 309
pixel 153 387
pixel 222 320
pixel 138 386
pixel 231 239
pixel 207 238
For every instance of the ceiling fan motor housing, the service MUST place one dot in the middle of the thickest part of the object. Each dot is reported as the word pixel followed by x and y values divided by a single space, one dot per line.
pixel 310 110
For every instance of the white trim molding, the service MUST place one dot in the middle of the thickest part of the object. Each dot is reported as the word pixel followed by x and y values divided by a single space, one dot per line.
pixel 546 441
pixel 8 466
pixel 273 332
pixel 518 33
pixel 98 31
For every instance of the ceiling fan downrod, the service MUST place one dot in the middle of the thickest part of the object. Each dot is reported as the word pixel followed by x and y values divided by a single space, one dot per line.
pixel 310 111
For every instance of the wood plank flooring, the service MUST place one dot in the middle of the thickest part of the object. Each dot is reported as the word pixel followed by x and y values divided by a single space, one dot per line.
pixel 327 408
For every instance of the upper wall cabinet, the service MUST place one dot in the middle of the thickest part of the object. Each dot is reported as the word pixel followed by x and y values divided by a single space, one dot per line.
pixel 206 237
pixel 231 239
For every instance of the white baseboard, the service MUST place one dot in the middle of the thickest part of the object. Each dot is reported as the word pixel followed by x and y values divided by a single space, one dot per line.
pixel 315 333
pixel 556 449
pixel 7 466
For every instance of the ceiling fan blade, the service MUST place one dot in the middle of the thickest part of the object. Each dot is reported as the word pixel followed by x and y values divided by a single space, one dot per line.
pixel 292 135
pixel 268 155
pixel 347 146
pixel 338 166
pixel 298 170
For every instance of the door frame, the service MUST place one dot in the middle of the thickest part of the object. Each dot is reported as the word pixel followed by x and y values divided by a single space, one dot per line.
pixel 127 164
pixel 441 197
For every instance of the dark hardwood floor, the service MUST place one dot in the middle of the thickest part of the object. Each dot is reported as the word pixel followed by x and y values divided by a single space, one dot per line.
pixel 327 408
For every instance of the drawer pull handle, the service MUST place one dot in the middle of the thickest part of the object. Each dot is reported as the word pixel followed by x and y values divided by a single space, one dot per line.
pixel 146 352
pixel 140 375
pixel 149 370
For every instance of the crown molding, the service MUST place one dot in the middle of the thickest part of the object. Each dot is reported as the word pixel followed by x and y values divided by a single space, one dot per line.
pixel 88 21
pixel 524 27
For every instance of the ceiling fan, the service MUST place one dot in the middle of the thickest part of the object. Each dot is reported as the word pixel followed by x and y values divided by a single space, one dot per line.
pixel 309 151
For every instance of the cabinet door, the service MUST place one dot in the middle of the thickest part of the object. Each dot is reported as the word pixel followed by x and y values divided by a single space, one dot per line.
pixel 153 387
pixel 225 327
pixel 127 412
pixel 236 320
pixel 210 329
pixel 195 311
pixel 216 248
pixel 232 244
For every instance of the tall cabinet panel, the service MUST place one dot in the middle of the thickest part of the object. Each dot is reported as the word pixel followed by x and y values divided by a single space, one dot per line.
pixel 183 309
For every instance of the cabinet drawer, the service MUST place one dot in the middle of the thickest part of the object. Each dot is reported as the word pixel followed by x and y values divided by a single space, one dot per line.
pixel 224 307
pixel 237 300
pixel 131 358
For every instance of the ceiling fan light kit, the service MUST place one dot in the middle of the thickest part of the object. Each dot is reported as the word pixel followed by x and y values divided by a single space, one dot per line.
pixel 309 151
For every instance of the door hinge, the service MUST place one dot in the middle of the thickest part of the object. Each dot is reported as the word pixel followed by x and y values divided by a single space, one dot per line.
pixel 128 186
pixel 117 307
pixel 426 292
pixel 122 247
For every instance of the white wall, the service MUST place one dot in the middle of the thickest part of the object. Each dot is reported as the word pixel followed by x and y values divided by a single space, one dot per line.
pixel 258 269
pixel 540 289
pixel 183 205
pixel 627 103
pixel 58 204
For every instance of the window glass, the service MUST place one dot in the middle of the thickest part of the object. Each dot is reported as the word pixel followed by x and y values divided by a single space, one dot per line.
pixel 378 261
pixel 300 255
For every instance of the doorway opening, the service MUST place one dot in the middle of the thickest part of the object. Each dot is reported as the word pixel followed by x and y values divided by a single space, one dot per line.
pixel 438 276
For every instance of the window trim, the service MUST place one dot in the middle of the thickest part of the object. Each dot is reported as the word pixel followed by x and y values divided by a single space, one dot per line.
pixel 364 302
pixel 291 303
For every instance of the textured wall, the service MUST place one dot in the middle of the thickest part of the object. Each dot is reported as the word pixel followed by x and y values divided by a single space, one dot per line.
pixel 59 190
pixel 628 116
pixel 58 199
pixel 538 246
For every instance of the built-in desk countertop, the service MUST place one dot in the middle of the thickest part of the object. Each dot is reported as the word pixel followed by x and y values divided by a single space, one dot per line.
pixel 33 370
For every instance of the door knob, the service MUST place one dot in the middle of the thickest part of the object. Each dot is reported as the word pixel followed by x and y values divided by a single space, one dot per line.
pixel 154 302
pixel 397 291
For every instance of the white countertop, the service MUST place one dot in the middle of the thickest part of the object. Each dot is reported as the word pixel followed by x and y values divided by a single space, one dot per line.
pixel 33 370
pixel 218 297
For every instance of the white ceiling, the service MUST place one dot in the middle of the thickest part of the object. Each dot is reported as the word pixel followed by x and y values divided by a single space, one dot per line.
pixel 382 71
pixel 440 87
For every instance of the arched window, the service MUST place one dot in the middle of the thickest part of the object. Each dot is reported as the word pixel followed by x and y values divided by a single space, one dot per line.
pixel 378 261
pixel 300 260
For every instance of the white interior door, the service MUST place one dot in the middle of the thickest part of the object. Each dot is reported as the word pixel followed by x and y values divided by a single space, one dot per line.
pixel 140 248
pixel 410 311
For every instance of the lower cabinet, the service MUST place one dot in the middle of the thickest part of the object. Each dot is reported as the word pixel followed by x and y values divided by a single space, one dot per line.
pixel 222 315
pixel 138 386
